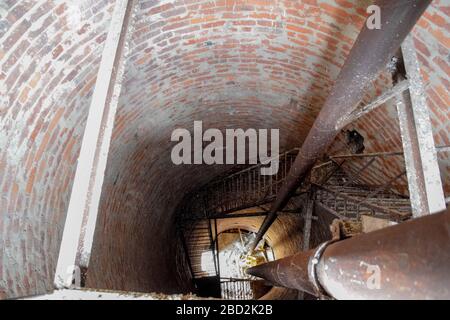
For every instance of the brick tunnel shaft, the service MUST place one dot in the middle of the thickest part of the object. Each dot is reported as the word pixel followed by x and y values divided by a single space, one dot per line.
pixel 228 63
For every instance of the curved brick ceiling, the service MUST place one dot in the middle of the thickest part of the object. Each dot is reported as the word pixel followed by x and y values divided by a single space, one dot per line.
pixel 230 64
pixel 254 63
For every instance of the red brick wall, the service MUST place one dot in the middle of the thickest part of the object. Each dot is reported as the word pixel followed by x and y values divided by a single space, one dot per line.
pixel 432 40
pixel 49 55
pixel 255 63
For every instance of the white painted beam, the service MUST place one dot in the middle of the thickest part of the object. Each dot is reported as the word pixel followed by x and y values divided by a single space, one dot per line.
pixel 377 102
pixel 83 206
pixel 424 179
pixel 414 171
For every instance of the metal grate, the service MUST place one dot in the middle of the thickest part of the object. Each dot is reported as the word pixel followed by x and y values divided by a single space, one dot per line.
pixel 236 289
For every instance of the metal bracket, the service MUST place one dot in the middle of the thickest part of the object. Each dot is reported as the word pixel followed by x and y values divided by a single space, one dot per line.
pixel 312 269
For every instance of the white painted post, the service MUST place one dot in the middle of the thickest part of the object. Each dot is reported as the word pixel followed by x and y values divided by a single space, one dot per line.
pixel 424 179
pixel 83 206
pixel 414 171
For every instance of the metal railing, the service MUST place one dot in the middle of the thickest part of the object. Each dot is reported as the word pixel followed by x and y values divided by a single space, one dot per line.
pixel 344 191
pixel 238 191
pixel 352 202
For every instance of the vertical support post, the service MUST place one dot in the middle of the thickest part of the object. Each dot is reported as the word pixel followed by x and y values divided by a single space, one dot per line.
pixel 424 180
pixel 82 212
pixel 212 244
pixel 307 224
pixel 307 231
pixel 186 253
pixel 414 172
pixel 217 248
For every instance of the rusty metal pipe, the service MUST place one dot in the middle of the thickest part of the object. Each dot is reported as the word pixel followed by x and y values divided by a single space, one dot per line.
pixel 290 272
pixel 371 53
pixel 407 261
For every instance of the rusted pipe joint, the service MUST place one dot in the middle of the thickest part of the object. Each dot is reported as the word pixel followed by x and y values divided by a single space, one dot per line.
pixel 312 269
